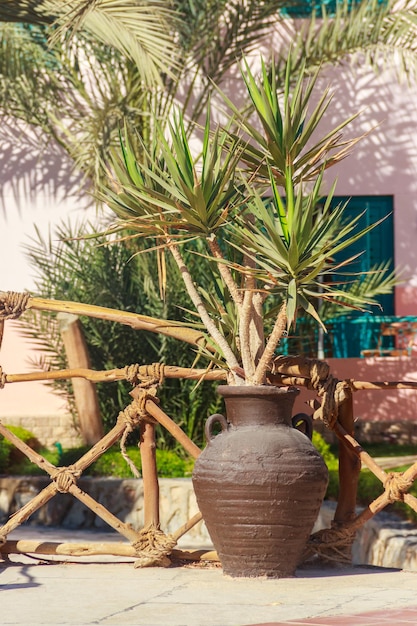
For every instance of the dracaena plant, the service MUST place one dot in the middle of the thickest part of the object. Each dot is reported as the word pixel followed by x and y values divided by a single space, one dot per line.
pixel 250 207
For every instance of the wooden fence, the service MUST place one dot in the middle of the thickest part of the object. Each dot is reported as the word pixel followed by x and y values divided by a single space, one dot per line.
pixel 150 546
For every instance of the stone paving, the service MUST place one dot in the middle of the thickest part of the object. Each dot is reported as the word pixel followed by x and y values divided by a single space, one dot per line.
pixel 105 590
pixel 109 590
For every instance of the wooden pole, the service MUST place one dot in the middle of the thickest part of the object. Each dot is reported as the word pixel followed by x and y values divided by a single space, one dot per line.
pixel 85 393
pixel 154 411
pixel 357 385
pixel 105 376
pixel 134 320
pixel 149 475
pixel 31 546
pixel 349 467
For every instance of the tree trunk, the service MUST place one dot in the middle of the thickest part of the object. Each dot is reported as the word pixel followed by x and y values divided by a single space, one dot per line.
pixel 85 392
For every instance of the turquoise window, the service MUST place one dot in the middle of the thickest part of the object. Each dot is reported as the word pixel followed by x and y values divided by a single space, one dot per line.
pixel 356 331
pixel 377 246
pixel 304 8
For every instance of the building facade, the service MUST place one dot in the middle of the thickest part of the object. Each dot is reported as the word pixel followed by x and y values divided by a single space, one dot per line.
pixel 380 178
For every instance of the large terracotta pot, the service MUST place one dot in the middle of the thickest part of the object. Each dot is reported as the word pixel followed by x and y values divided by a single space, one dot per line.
pixel 259 483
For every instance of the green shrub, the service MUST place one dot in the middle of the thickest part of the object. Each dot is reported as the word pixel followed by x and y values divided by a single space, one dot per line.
pixel 112 463
pixel 171 465
pixel 324 448
pixel 5 447
pixel 25 467
pixel 69 456
pixel 9 454
pixel 73 266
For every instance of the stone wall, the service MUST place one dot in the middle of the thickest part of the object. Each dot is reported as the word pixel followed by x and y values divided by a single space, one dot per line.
pixel 385 540
pixel 401 432
pixel 49 429
pixel 122 497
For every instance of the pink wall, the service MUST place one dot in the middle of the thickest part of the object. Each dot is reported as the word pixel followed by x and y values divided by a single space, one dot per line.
pixel 22 399
pixel 385 161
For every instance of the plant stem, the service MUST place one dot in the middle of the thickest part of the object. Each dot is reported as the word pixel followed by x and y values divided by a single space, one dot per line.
pixel 275 337
pixel 256 330
pixel 244 335
pixel 212 329
pixel 225 272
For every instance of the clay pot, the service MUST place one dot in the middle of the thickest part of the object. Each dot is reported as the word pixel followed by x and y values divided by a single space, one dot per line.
pixel 259 483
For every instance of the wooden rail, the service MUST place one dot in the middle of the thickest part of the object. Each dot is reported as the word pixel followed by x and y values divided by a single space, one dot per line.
pixel 335 408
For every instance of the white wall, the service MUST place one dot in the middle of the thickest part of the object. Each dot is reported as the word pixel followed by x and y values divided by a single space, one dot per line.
pixel 36 188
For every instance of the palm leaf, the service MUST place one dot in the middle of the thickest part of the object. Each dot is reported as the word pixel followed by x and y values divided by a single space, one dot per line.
pixel 141 31
pixel 372 32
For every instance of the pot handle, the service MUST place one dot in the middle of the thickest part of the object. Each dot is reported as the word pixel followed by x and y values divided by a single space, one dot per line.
pixel 307 420
pixel 213 419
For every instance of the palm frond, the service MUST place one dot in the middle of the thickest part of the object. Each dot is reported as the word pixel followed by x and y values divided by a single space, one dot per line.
pixel 378 34
pixel 142 31
pixel 167 190
pixel 379 280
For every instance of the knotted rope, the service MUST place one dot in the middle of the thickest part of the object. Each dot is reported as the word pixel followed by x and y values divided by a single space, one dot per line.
pixel 136 412
pixel 145 375
pixel 331 390
pixel 3 378
pixel 153 547
pixel 396 485
pixel 331 544
pixel 12 304
pixel 131 416
pixel 65 477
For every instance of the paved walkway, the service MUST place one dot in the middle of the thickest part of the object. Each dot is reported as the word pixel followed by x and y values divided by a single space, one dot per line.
pixel 60 591
pixel 389 462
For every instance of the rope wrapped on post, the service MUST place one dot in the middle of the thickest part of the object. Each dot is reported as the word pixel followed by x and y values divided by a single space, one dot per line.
pixel 316 376
pixel 146 376
pixel 12 304
pixel 396 486
pixel 332 544
pixel 153 547
pixel 132 415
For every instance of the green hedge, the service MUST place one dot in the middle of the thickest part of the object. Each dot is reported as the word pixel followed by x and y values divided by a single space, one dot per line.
pixel 369 488
pixel 111 463
pixel 10 456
